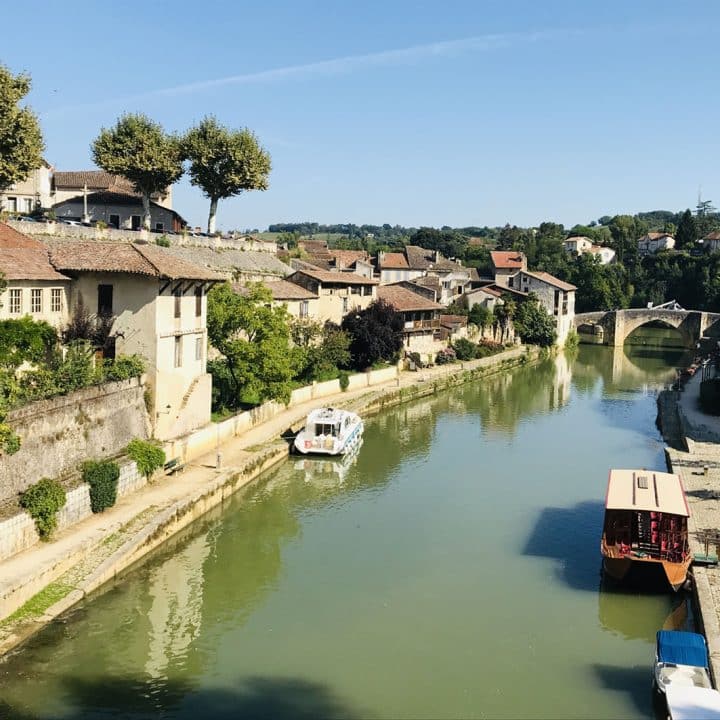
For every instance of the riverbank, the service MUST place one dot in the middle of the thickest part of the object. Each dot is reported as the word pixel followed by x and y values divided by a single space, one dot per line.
pixel 41 583
pixel 694 454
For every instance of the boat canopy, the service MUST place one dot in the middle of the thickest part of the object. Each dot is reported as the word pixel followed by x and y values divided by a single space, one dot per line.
pixel 686 702
pixel 646 490
pixel 681 648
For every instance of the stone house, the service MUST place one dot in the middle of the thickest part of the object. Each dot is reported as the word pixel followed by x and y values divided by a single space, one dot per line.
pixel 556 296
pixel 711 242
pixel 393 267
pixel 159 305
pixel 337 292
pixel 505 264
pixel 299 302
pixel 421 316
pixel 487 297
pixel 32 193
pixel 577 244
pixel 654 242
pixel 67 185
pixel 34 286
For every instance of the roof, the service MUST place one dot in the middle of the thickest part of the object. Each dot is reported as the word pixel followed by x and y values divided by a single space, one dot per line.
pixel 345 258
pixel 11 238
pixel 428 282
pixel 232 262
pixel 94 179
pixel 405 300
pixel 686 702
pixel 507 259
pixel 132 258
pixel 550 280
pixel 681 648
pixel 655 236
pixel 419 258
pixel 578 238
pixel 487 290
pixel 394 261
pixel 597 249
pixel 646 490
pixel 281 290
pixel 27 263
pixel 343 278
pixel 453 320
pixel 24 258
pixel 712 236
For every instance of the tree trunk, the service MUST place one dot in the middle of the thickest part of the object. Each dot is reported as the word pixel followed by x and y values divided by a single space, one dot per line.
pixel 211 216
pixel 146 210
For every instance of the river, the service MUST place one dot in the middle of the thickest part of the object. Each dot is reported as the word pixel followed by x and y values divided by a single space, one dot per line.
pixel 452 570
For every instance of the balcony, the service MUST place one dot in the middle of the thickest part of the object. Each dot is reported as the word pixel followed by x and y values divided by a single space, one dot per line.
pixel 422 324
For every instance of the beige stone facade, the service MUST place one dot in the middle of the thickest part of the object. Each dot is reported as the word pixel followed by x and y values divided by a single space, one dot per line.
pixel 25 197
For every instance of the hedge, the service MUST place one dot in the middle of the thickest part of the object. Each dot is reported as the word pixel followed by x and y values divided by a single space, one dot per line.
pixel 147 456
pixel 102 477
pixel 42 502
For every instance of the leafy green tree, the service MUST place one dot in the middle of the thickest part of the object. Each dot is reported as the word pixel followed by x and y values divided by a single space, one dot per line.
pixel 254 339
pixel 626 230
pixel 686 234
pixel 224 162
pixel 449 242
pixel 21 143
pixel 533 323
pixel 481 316
pixel 706 219
pixel 140 150
pixel 504 313
pixel 325 359
pixel 599 287
pixel 375 334
pixel 25 340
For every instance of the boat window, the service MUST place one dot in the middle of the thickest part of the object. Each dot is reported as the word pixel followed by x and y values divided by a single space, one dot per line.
pixel 325 429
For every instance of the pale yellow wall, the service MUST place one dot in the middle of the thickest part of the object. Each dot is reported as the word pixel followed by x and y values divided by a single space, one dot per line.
pixel 334 305
pixel 394 275
pixel 35 188
pixel 293 307
pixel 56 319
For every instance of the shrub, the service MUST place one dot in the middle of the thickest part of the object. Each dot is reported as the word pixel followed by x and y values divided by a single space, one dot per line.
pixel 102 477
pixel 163 241
pixel 486 348
pixel 344 380
pixel 42 502
pixel 101 225
pixel 445 356
pixel 147 456
pixel 465 350
pixel 124 367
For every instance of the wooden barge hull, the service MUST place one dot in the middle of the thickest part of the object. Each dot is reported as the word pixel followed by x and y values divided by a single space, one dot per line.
pixel 672 573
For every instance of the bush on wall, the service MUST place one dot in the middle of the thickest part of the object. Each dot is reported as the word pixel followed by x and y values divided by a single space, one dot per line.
pixel 147 456
pixel 42 502
pixel 102 477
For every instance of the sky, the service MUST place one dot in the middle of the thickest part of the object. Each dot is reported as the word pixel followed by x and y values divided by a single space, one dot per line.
pixel 410 113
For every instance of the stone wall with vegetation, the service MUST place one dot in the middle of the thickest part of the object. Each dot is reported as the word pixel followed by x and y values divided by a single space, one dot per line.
pixel 58 434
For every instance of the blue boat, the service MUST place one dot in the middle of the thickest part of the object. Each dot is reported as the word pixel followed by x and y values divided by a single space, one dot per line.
pixel 681 660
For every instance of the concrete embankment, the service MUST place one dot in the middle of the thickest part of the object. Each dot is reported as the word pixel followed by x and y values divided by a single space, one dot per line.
pixel 697 461
pixel 40 583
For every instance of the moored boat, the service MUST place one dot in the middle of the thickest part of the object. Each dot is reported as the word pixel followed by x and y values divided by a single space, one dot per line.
pixel 681 659
pixel 645 526
pixel 329 431
pixel 692 703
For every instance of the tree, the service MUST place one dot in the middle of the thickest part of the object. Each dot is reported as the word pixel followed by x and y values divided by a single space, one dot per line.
pixel 224 162
pixel 253 338
pixel 504 313
pixel 375 334
pixel 21 143
pixel 599 287
pixel 480 316
pixel 686 235
pixel 140 150
pixel 533 323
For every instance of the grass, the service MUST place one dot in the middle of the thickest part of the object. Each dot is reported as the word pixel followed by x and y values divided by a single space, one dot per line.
pixel 38 604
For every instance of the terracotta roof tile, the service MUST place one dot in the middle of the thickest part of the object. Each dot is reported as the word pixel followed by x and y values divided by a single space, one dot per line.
pixel 281 290
pixel 346 258
pixel 507 259
pixel 9 237
pixel 130 258
pixel 342 278
pixel 94 179
pixel 419 258
pixel 25 263
pixel 551 280
pixel 405 300
pixel 394 261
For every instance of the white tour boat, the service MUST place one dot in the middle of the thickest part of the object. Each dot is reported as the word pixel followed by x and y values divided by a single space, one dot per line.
pixel 329 431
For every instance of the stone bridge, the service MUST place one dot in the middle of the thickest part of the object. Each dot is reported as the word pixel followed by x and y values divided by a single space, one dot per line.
pixel 613 326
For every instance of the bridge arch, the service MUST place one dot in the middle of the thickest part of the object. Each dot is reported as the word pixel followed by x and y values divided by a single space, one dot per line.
pixel 689 338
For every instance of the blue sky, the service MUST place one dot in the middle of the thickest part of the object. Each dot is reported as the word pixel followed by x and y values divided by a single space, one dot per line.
pixel 416 113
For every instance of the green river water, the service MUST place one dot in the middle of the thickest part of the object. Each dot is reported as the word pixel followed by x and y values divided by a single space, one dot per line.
pixel 452 571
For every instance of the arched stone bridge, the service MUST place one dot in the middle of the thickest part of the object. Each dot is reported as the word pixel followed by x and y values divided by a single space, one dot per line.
pixel 612 327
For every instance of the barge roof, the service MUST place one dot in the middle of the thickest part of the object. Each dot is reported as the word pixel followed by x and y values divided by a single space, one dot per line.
pixel 646 490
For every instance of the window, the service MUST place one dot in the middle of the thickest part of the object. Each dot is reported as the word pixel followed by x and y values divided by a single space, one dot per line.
pixel 178 351
pixel 135 222
pixel 345 305
pixel 199 348
pixel 556 303
pixel 304 308
pixel 16 301
pixel 177 293
pixel 198 301
pixel 12 204
pixel 55 300
pixel 114 221
pixel 35 300
pixel 29 205
pixel 105 300
pixel 159 227
pixel 354 289
pixel 367 289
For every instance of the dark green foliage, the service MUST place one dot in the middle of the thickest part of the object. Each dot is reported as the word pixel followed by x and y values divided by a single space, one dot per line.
pixel 102 476
pixel 710 396
pixel 686 234
pixel 42 502
pixel 321 360
pixel 77 369
pixel 533 324
pixel 163 241
pixel 445 356
pixel 599 287
pixel 481 316
pixel 449 242
pixel 123 367
pixel 344 379
pixel 375 334
pixel 25 340
pixel 147 456
pixel 486 348
pixel 464 349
